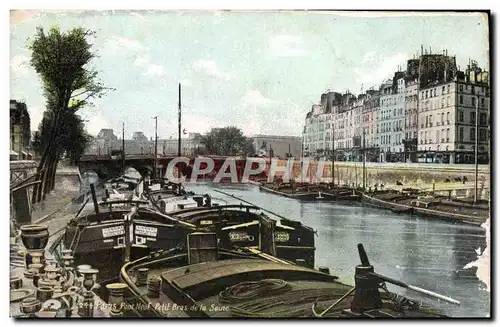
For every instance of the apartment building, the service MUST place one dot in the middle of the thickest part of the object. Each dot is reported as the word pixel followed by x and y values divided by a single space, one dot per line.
pixel 427 113
pixel 447 118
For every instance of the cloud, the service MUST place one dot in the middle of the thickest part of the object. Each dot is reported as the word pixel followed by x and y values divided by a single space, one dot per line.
pixel 186 82
pixel 19 65
pixel 96 123
pixel 150 69
pixel 141 60
pixel 252 127
pixel 286 46
pixel 155 70
pixel 261 115
pixel 119 44
pixel 19 16
pixel 210 67
pixel 36 115
pixel 374 69
pixel 255 98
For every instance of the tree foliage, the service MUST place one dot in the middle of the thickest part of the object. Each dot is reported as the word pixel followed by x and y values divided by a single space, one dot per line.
pixel 62 60
pixel 227 141
pixel 72 139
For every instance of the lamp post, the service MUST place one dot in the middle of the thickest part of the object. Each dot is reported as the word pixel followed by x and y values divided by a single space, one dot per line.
pixel 156 147
pixel 123 148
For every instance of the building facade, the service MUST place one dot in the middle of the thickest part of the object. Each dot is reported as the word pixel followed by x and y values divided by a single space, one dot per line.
pixel 276 145
pixel 448 118
pixel 106 143
pixel 411 119
pixel 431 112
pixel 387 104
pixel 397 119
pixel 370 125
pixel 20 131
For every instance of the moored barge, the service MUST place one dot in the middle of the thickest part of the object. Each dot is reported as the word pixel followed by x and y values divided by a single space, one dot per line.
pixel 414 202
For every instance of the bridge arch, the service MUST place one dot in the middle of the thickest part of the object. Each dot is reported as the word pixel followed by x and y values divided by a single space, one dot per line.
pixel 143 170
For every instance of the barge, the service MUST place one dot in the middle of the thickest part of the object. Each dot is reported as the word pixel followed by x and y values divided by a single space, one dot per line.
pixel 312 192
pixel 413 202
pixel 201 279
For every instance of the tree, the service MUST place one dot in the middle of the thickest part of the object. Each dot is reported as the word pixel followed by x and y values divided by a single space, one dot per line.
pixel 61 60
pixel 227 141
pixel 72 139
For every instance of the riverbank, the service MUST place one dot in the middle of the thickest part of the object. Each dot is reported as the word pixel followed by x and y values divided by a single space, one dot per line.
pixel 443 208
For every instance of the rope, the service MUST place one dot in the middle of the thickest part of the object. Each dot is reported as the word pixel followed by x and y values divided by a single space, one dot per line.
pixel 403 304
pixel 250 290
pixel 295 303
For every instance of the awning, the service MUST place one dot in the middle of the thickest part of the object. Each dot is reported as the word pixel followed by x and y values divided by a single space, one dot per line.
pixel 24 153
pixel 13 153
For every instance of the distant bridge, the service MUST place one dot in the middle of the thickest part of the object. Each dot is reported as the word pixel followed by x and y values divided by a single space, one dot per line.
pixel 107 166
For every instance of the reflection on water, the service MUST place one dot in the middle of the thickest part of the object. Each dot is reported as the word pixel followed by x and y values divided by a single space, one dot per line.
pixel 422 252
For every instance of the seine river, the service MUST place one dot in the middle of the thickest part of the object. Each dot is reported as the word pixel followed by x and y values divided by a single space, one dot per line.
pixel 426 253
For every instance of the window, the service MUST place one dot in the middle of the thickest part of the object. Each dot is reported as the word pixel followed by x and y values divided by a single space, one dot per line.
pixel 442 102
pixel 448 100
pixel 460 115
pixel 447 135
pixel 472 117
pixel 448 89
pixel 448 117
pixel 461 99
pixel 482 135
pixel 437 136
pixel 473 101
pixel 442 118
pixel 472 135
pixel 442 91
pixel 461 134
pixel 426 94
pixel 482 102
pixel 461 88
pixel 482 118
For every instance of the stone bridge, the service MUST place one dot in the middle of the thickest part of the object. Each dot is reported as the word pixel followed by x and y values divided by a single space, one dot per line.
pixel 111 166
pixel 106 166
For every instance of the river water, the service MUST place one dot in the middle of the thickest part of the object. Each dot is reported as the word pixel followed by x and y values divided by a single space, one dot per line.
pixel 422 252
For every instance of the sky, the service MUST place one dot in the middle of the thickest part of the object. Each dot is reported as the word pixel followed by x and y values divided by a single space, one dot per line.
pixel 259 71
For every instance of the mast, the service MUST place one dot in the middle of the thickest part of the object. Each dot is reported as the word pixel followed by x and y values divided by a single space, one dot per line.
pixel 123 148
pixel 179 141
pixel 179 125
pixel 364 160
pixel 155 165
pixel 476 150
